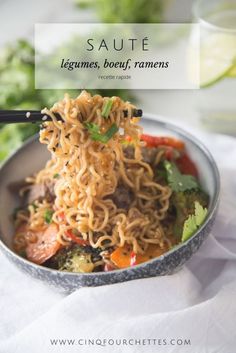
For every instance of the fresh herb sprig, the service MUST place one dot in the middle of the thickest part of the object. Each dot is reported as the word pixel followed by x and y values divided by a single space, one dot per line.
pixel 194 221
pixel 179 182
pixel 96 135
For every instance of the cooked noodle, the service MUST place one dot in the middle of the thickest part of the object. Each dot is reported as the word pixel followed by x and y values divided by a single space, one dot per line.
pixel 90 172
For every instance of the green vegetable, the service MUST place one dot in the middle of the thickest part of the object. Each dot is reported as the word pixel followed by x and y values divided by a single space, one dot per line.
pixel 142 11
pixel 107 108
pixel 48 216
pixel 12 135
pixel 92 128
pixel 18 92
pixel 194 221
pixel 97 136
pixel 56 176
pixel 84 4
pixel 75 258
pixel 177 181
pixel 182 204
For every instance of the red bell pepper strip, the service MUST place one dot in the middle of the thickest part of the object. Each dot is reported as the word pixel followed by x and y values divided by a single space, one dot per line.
pixel 156 141
pixel 75 238
pixel 133 259
pixel 186 165
pixel 61 216
pixel 70 234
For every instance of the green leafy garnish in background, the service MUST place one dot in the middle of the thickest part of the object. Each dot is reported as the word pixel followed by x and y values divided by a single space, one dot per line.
pixel 126 11
pixel 177 181
pixel 18 92
pixel 96 135
pixel 184 206
pixel 194 221
pixel 48 216
pixel 12 135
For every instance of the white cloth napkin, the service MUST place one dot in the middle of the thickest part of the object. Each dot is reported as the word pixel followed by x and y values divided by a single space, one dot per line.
pixel 191 311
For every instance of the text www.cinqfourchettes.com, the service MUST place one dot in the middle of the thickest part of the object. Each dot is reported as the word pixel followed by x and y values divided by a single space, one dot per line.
pixel 104 342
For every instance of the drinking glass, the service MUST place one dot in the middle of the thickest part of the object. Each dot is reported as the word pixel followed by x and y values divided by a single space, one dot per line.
pixel 216 99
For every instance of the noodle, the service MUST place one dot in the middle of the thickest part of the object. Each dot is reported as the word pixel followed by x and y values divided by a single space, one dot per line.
pixel 90 172
pixel 93 164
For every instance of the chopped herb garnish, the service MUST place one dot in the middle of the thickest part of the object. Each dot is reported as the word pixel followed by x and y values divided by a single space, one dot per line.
pixel 55 176
pixel 92 128
pixel 107 108
pixel 48 216
pixel 97 136
pixel 177 181
pixel 110 132
pixel 194 221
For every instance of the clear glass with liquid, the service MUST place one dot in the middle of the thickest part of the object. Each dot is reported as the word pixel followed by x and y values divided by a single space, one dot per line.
pixel 216 100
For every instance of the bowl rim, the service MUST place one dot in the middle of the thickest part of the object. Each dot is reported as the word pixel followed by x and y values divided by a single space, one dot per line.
pixel 214 203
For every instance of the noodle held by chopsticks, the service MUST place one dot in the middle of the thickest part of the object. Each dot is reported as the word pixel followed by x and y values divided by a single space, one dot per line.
pixel 90 171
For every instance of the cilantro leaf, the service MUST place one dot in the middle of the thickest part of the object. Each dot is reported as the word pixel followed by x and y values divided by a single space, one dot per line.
pixel 200 213
pixel 96 135
pixel 194 221
pixel 177 181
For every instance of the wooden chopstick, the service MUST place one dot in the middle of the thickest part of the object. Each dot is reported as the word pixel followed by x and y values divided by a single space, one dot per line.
pixel 35 116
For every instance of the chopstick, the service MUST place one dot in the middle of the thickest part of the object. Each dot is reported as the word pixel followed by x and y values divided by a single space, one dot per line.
pixel 35 116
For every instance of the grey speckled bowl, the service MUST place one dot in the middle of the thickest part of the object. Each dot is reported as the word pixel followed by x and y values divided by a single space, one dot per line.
pixel 32 156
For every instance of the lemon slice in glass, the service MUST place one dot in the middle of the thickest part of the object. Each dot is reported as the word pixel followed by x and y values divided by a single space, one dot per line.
pixel 217 57
pixel 232 72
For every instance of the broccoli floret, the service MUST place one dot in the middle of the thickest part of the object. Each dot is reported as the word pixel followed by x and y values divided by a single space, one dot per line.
pixel 74 258
pixel 183 203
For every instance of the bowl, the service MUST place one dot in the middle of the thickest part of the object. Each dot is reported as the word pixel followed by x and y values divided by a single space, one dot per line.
pixel 32 156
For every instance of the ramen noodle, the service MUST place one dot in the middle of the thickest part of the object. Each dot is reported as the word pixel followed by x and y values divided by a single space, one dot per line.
pixel 106 198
